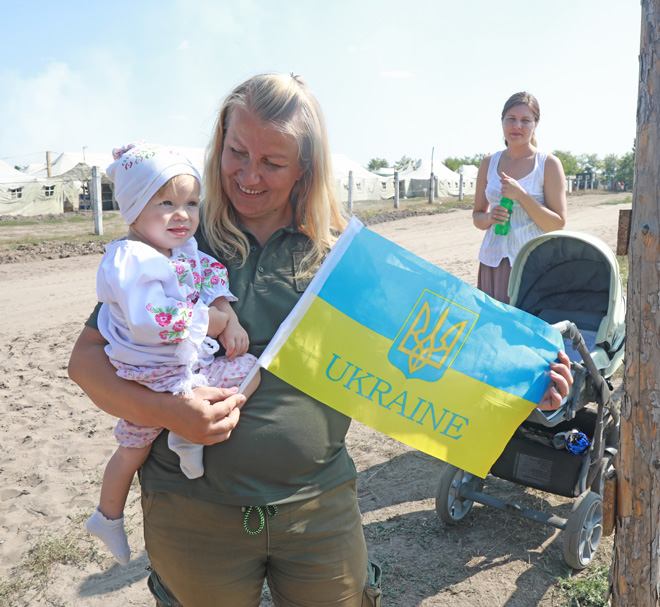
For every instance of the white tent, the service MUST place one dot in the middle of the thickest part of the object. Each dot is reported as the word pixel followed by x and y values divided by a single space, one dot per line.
pixel 417 179
pixel 366 185
pixel 469 171
pixel 22 194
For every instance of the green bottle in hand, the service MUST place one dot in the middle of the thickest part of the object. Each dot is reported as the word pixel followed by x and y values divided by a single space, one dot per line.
pixel 503 229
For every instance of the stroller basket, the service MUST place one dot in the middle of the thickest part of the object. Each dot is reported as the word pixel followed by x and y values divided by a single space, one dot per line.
pixel 532 463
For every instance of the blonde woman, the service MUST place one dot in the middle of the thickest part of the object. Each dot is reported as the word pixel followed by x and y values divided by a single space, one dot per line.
pixel 278 500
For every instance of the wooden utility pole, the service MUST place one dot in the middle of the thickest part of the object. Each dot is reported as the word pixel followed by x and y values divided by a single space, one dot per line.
pixel 635 567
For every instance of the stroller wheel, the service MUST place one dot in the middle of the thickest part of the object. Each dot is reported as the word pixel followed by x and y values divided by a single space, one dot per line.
pixel 584 529
pixel 450 507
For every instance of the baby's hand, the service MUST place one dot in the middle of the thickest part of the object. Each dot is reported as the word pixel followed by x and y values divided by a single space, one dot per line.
pixel 218 322
pixel 234 339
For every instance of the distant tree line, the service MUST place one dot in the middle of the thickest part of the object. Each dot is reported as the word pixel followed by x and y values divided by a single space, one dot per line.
pixel 381 163
pixel 454 162
pixel 611 168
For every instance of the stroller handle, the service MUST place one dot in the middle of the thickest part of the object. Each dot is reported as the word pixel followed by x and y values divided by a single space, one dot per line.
pixel 570 330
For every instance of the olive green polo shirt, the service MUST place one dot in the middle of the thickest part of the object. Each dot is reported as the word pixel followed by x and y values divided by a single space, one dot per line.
pixel 286 446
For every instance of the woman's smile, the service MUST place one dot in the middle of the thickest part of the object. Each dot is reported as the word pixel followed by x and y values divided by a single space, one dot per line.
pixel 248 191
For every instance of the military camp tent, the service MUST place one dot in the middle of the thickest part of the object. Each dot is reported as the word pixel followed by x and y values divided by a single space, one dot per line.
pixel 417 179
pixel 366 185
pixel 22 194
pixel 469 172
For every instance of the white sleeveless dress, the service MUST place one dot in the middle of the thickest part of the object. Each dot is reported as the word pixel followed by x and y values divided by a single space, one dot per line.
pixel 494 247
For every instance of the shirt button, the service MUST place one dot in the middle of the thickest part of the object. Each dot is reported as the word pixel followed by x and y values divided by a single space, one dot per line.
pixel 260 268
pixel 253 248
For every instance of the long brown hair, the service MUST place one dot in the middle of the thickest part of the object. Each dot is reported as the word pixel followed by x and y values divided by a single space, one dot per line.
pixel 285 103
pixel 523 98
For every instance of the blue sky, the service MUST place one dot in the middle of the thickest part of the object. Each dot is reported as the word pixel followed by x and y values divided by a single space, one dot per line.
pixel 393 78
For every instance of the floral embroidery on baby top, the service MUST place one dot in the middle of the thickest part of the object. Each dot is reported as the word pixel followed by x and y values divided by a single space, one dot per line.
pixel 175 319
pixel 210 275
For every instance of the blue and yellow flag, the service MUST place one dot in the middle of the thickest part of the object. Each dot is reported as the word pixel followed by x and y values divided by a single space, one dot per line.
pixel 414 352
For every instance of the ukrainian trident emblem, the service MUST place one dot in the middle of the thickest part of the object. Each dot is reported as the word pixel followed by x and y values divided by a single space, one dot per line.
pixel 431 337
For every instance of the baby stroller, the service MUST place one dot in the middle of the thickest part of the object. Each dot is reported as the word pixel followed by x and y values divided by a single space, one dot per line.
pixel 572 281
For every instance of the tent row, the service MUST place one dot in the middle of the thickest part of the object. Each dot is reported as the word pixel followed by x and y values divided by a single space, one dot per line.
pixel 417 179
pixel 414 180
pixel 64 186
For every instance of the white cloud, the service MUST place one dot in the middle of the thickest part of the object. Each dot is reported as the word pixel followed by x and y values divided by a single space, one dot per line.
pixel 62 108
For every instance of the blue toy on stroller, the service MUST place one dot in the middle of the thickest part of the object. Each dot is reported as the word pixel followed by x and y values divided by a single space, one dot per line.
pixel 572 281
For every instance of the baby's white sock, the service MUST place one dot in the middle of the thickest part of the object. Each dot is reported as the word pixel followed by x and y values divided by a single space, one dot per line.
pixel 112 534
pixel 190 454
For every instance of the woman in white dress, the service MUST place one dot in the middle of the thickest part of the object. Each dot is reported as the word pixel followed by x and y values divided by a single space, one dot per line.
pixel 532 179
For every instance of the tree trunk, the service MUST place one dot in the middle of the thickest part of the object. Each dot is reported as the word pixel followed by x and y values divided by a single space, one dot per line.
pixel 635 571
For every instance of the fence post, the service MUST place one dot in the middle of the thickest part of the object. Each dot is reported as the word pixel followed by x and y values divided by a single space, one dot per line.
pixel 95 193
pixel 350 191
pixel 396 189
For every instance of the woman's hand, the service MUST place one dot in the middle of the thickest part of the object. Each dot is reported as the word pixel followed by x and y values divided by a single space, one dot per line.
pixel 511 188
pixel 561 379
pixel 551 215
pixel 498 215
pixel 209 416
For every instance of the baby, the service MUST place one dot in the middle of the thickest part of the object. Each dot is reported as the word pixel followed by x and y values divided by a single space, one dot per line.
pixel 162 301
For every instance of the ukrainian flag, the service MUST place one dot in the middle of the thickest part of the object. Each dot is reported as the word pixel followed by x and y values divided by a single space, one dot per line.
pixel 414 352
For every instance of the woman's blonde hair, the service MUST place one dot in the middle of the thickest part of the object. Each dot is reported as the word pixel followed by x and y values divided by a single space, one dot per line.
pixel 285 103
pixel 523 98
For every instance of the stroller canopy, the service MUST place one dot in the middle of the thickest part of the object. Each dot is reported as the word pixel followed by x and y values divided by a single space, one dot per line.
pixel 566 275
